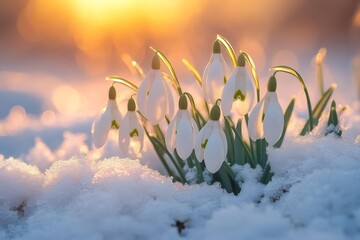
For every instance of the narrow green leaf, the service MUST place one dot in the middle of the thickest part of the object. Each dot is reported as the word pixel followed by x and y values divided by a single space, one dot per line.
pixel 319 108
pixel 122 81
pixel 160 154
pixel 287 116
pixel 228 47
pixel 193 70
pixel 230 140
pixel 238 149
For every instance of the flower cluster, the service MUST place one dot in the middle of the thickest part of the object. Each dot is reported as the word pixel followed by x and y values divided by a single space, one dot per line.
pixel 192 138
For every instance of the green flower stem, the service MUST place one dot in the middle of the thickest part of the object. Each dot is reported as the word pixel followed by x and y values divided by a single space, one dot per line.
pixel 160 146
pixel 254 74
pixel 195 112
pixel 228 47
pixel 122 81
pixel 199 169
pixel 291 71
pixel 244 146
pixel 158 152
pixel 171 69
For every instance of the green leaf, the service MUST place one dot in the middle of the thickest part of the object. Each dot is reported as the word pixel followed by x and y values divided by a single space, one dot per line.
pixel 193 70
pixel 287 116
pixel 238 149
pixel 319 108
pixel 230 140
pixel 123 81
pixel 267 175
pixel 228 47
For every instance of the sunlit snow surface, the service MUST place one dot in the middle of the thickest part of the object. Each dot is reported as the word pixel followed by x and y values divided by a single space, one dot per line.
pixel 69 193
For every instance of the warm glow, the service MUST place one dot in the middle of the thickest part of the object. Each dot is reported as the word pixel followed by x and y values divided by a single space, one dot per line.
pixel 101 29
pixel 66 99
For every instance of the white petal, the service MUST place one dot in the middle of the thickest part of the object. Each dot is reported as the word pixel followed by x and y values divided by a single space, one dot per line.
pixel 157 103
pixel 255 127
pixel 170 133
pixel 170 100
pixel 184 136
pixel 142 94
pixel 115 113
pixel 246 87
pixel 225 67
pixel 215 80
pixel 227 96
pixel 101 128
pixel 201 137
pixel 205 78
pixel 215 153
pixel 124 137
pixel 136 141
pixel 274 120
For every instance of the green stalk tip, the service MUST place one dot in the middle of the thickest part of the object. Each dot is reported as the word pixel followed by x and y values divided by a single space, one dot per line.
pixel 131 105
pixel 112 93
pixel 215 113
pixel 155 62
pixel 271 87
pixel 241 60
pixel 216 47
pixel 183 102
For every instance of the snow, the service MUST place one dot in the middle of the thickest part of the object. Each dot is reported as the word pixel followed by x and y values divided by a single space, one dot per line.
pixel 74 192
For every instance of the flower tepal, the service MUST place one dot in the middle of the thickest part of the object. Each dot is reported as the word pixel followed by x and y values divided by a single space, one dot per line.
pixel 267 119
pixel 181 131
pixel 239 90
pixel 211 145
pixel 215 75
pixel 109 118
pixel 131 133
pixel 154 97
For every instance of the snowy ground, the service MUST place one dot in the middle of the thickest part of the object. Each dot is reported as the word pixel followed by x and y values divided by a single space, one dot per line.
pixel 69 193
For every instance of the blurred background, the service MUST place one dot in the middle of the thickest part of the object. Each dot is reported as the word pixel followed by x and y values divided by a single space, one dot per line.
pixel 55 55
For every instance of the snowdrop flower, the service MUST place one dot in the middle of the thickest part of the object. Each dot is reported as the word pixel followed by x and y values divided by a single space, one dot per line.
pixel 181 131
pixel 109 118
pixel 211 144
pixel 267 119
pixel 239 90
pixel 215 75
pixel 131 133
pixel 154 97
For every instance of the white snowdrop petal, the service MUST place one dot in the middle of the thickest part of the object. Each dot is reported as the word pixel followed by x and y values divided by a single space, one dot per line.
pixel 101 128
pixel 274 120
pixel 124 137
pixel 255 121
pixel 170 133
pixel 205 79
pixel 142 94
pixel 225 67
pixel 170 100
pixel 227 96
pixel 214 154
pixel 114 110
pixel 184 136
pixel 201 137
pixel 157 102
pixel 215 82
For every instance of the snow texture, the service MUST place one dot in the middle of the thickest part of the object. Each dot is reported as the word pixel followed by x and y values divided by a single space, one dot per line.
pixel 77 192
